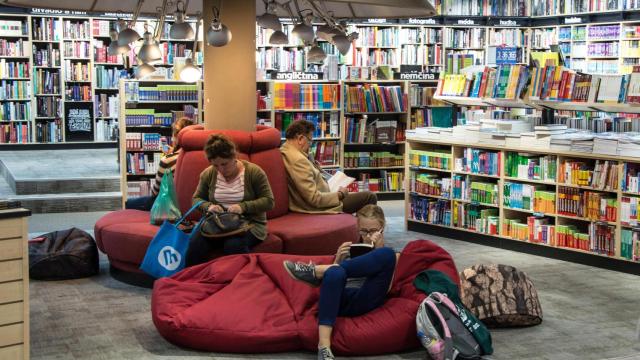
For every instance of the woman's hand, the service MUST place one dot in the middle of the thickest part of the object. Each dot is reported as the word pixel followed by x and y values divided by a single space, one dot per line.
pixel 215 208
pixel 343 252
pixel 235 208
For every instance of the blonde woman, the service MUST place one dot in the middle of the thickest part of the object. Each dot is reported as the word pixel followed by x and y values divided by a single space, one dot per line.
pixel 350 286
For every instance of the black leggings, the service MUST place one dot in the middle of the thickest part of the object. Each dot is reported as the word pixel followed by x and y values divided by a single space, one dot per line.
pixel 200 246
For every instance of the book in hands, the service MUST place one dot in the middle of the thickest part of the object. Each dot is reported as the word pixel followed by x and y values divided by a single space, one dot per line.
pixel 338 180
pixel 356 250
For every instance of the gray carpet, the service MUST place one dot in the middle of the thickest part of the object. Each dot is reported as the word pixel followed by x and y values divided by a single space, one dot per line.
pixel 589 313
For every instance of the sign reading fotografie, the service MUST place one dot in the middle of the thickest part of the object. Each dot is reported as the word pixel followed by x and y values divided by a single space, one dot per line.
pixel 296 75
pixel 78 121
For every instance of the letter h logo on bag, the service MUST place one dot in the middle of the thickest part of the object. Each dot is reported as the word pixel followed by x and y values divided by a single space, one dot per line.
pixel 169 258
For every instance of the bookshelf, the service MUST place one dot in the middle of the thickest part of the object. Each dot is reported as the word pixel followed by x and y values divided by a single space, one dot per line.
pixel 147 110
pixel 536 196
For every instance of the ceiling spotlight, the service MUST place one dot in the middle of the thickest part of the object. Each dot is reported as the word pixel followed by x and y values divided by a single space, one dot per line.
pixel 218 33
pixel 343 43
pixel 180 29
pixel 316 55
pixel 190 72
pixel 278 38
pixel 143 70
pixel 127 35
pixel 323 32
pixel 114 48
pixel 150 51
pixel 269 20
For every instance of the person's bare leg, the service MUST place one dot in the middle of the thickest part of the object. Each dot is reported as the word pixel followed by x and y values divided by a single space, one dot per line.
pixel 324 336
pixel 320 269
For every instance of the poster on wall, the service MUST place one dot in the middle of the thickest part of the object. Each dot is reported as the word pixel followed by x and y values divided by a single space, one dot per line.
pixel 78 121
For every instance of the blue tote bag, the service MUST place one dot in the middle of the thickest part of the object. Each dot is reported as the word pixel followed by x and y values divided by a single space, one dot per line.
pixel 167 250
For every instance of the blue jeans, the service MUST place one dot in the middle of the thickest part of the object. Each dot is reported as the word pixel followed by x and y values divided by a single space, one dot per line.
pixel 336 300
pixel 144 203
pixel 200 246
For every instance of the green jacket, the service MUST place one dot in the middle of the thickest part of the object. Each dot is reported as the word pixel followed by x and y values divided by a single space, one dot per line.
pixel 430 281
pixel 258 197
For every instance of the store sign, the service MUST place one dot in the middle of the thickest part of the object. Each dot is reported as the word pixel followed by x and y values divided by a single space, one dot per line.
pixel 466 22
pixel 414 21
pixel 513 22
pixel 416 76
pixel 57 12
pixel 506 55
pixel 296 75
pixel 78 121
pixel 573 20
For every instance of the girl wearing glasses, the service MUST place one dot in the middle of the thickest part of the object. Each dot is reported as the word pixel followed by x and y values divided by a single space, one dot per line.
pixel 350 286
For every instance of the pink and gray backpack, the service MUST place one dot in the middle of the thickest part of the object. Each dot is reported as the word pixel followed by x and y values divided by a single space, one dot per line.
pixel 441 330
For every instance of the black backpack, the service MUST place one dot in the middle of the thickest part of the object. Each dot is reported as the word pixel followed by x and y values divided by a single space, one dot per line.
pixel 62 255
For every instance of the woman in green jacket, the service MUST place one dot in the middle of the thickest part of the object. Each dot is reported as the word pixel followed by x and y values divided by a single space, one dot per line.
pixel 239 187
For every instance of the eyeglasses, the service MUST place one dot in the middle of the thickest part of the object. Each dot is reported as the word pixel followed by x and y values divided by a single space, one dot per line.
pixel 369 232
pixel 309 139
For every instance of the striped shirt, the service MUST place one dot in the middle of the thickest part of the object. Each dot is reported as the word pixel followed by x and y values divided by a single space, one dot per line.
pixel 167 162
pixel 229 192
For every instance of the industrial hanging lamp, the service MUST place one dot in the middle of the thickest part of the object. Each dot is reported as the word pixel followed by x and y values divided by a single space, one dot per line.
pixel 143 70
pixel 150 50
pixel 180 29
pixel 269 20
pixel 115 48
pixel 218 34
pixel 316 55
pixel 190 72
pixel 128 35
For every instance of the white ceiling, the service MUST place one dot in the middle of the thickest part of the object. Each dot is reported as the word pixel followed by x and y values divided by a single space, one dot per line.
pixel 340 8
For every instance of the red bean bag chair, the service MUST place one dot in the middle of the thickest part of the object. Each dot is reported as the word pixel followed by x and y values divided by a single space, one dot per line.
pixel 249 304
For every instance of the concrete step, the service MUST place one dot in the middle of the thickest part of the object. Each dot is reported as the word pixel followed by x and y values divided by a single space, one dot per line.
pixel 70 202
pixel 67 185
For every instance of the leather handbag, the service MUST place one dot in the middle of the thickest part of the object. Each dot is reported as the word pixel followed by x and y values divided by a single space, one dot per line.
pixel 223 224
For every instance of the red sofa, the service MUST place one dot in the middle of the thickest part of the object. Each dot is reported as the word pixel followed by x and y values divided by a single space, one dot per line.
pixel 125 234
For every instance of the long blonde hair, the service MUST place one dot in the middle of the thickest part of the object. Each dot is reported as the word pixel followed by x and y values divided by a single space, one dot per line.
pixel 373 212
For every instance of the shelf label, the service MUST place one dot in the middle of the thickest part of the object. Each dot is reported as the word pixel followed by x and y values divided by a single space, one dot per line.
pixel 416 76
pixel 538 214
pixel 506 55
pixel 508 22
pixel 573 20
pixel 466 22
pixel 430 21
pixel 296 75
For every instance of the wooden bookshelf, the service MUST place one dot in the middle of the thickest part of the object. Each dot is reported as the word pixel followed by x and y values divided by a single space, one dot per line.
pixel 130 99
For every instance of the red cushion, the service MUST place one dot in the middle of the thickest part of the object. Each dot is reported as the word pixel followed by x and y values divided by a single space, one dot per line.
pixel 249 304
pixel 307 234
pixel 116 218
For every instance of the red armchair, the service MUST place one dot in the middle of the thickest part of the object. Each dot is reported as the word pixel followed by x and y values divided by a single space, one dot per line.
pixel 125 234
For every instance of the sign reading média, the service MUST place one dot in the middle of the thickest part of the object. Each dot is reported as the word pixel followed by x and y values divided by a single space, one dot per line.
pixel 296 75
pixel 78 121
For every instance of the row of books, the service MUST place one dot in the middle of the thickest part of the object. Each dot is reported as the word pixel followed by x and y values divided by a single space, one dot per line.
pixel 373 57
pixel 485 7
pixel 530 166
pixel 326 153
pixel 372 36
pixel 100 53
pixel 475 218
pixel 77 49
pixel 14 69
pixel 13 48
pixel 507 37
pixel 78 92
pixel 45 29
pixel 101 27
pixel 478 161
pixel 135 92
pixel 13 28
pixel 106 106
pixel 326 124
pixel 280 59
pixel 430 184
pixel 374 98
pixel 430 210
pixel 48 106
pixel 430 159
pixel 465 38
pixel 629 207
pixel 139 188
pixel 420 36
pixel 76 29
pixel 630 244
pixel 305 96
pixel 602 175
pixel 144 141
pixel 463 188
pixel 587 204
pixel 372 159
pixel 49 131
pixel 529 197
pixel 15 133
pixel 631 178
pixel 107 77
pixel 15 111
pixel 46 82
pixel 106 130
pixel 142 164
pixel 149 117
pixel 76 71
pixel 360 130
pixel 505 82
pixel 420 55
pixel 388 181
pixel 441 116
pixel 46 56
pixel 15 90
pixel 460 59
pixel 599 239
pixel 536 230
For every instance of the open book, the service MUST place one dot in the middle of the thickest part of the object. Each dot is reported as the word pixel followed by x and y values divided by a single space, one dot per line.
pixel 356 250
pixel 339 179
